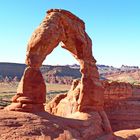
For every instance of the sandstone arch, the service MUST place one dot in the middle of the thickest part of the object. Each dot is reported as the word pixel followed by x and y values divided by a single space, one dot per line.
pixel 58 26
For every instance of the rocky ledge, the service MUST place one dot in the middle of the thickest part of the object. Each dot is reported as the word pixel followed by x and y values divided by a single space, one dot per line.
pixel 42 125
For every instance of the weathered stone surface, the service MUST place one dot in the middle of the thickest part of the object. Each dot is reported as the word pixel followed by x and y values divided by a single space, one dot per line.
pixel 44 126
pixel 71 33
pixel 66 105
pixel 31 92
pixel 117 90
pixel 122 105
pixel 123 114
pixel 80 113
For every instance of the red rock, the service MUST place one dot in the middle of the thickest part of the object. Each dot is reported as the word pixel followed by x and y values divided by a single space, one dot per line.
pixel 44 126
pixel 66 105
pixel 31 90
pixel 42 44
pixel 122 105
pixel 117 90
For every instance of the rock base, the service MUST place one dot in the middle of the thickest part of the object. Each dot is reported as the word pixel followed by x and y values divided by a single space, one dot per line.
pixel 16 125
pixel 25 107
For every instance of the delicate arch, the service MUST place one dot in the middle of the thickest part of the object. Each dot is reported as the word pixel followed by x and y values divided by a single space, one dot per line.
pixel 62 26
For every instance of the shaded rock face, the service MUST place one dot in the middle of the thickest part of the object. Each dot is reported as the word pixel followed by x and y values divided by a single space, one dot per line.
pixel 60 26
pixel 44 126
pixel 123 114
pixel 122 106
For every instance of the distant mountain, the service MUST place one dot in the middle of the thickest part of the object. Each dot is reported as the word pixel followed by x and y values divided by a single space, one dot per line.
pixel 60 74
pixel 128 68
pixel 65 74
pixel 125 73
pixel 52 74
pixel 11 70
pixel 110 69
pixel 131 76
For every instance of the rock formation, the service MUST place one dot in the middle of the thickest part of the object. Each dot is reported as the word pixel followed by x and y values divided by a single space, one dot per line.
pixel 85 100
pixel 44 126
pixel 66 105
pixel 59 26
pixel 31 92
pixel 60 74
pixel 79 114
pixel 122 105
pixel 59 80
pixel 117 90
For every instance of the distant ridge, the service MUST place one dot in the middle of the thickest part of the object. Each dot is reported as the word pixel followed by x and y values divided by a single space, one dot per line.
pixel 11 69
pixel 64 74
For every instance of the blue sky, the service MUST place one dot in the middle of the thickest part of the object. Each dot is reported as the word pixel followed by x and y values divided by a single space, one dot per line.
pixel 113 26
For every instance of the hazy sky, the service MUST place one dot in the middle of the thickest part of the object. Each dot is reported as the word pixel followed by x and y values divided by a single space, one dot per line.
pixel 113 25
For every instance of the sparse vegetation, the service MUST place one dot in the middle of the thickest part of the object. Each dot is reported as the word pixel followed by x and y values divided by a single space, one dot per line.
pixel 7 90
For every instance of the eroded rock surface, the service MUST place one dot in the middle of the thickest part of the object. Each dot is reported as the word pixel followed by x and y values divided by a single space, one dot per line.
pixel 66 105
pixel 117 90
pixel 82 108
pixel 44 126
pixel 31 92
pixel 122 105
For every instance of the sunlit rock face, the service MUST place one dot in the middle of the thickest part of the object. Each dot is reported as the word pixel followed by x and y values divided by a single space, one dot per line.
pixel 31 92
pixel 117 90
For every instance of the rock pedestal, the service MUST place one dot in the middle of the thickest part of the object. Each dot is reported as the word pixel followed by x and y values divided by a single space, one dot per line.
pixel 31 92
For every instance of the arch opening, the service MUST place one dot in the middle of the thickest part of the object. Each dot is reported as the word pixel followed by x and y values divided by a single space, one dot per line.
pixel 60 56
pixel 60 67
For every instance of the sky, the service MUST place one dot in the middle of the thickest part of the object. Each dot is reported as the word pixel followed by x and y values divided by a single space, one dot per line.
pixel 113 26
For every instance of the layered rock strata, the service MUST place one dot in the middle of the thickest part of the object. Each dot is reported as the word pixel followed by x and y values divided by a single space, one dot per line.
pixel 117 90
pixel 122 105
